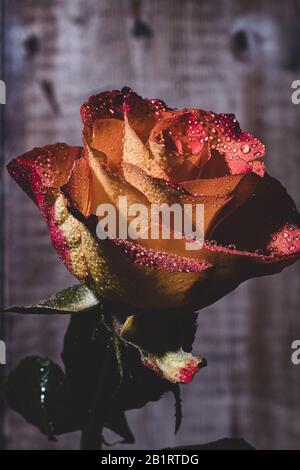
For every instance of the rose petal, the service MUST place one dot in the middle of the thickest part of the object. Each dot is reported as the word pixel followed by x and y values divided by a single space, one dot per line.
pixel 216 167
pixel 141 113
pixel 160 260
pixel 40 173
pixel 218 186
pixel 78 188
pixel 159 191
pixel 249 243
pixel 174 366
pixel 241 151
pixel 254 224
pixel 143 189
pixel 230 268
pixel 102 106
pixel 109 271
pixel 286 241
pixel 235 191
pixel 178 143
pixel 114 270
pixel 136 153
pixel 107 137
pixel 50 166
pixel 108 186
pixel 156 190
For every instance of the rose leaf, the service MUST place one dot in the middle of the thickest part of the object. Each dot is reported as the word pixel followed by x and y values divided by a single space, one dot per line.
pixel 74 299
pixel 38 390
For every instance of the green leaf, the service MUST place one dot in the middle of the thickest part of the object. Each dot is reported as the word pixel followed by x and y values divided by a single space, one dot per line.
pixel 37 389
pixel 93 359
pixel 74 299
pixel 88 341
pixel 104 377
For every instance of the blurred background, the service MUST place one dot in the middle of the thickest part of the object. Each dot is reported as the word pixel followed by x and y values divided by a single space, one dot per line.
pixel 232 56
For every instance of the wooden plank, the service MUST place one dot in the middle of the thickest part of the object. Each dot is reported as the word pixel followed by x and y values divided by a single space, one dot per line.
pixel 2 323
pixel 234 58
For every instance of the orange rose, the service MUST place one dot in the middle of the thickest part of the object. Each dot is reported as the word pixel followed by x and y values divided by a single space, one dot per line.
pixel 139 148
pixel 154 154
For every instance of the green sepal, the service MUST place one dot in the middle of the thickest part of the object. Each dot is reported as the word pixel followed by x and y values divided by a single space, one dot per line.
pixel 78 298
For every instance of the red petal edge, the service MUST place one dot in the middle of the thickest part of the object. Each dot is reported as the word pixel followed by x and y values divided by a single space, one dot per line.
pixel 160 260
pixel 242 151
pixel 114 104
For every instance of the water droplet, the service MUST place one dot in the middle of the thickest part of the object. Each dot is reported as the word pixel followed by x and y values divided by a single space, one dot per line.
pixel 245 148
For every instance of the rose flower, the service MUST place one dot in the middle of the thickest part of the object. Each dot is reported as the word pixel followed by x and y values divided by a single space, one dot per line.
pixel 150 153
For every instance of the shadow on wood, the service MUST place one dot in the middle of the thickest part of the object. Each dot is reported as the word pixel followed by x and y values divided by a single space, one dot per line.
pixel 222 444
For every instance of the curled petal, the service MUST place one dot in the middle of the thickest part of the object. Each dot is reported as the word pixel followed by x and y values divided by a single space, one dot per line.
pixel 136 153
pixel 78 188
pixel 230 268
pixel 102 106
pixel 286 241
pixel 175 366
pixel 107 137
pixel 254 224
pixel 41 172
pixel 178 143
pixel 47 167
pixel 216 206
pixel 190 135
pixel 241 151
pixel 156 190
pixel 118 124
pixel 165 340
pixel 231 192
pixel 108 185
pixel 141 113
pixel 218 186
pixel 216 166
pixel 161 260
pixel 255 241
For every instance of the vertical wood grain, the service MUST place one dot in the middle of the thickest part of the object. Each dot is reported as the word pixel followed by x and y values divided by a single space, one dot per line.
pixel 236 56
pixel 2 241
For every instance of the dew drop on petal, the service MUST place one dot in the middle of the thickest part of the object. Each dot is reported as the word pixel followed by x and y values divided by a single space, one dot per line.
pixel 245 148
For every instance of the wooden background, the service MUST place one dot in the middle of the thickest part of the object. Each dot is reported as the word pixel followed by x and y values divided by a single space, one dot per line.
pixel 226 55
